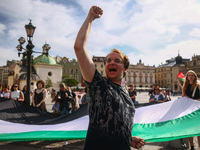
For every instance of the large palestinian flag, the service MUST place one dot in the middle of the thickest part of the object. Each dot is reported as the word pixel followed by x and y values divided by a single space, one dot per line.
pixel 160 122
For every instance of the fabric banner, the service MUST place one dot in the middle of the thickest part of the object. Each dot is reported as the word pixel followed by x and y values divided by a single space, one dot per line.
pixel 181 76
pixel 160 122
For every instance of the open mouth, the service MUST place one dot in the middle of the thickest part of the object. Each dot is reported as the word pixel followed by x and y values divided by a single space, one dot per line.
pixel 112 70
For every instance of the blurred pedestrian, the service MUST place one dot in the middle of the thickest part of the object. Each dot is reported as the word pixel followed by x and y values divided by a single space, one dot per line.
pixel 157 97
pixel 65 98
pixel 132 94
pixel 6 92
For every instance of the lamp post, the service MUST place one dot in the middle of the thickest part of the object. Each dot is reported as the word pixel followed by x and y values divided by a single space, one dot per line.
pixel 29 50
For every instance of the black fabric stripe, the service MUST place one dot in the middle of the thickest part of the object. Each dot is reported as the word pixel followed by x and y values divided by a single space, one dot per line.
pixel 17 112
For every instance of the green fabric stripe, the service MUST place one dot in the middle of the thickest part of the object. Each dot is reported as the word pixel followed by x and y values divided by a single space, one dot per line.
pixel 186 126
pixel 182 79
pixel 43 136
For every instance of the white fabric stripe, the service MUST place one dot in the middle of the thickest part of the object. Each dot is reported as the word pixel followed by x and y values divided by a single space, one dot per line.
pixel 149 114
pixel 78 124
pixel 166 111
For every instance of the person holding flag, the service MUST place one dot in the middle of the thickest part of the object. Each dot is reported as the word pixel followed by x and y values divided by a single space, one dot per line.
pixel 191 89
pixel 111 110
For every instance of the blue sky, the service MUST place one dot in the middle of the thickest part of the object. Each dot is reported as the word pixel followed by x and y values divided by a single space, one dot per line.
pixel 150 30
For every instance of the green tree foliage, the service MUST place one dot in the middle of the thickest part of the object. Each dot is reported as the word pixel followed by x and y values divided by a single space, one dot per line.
pixel 70 82
pixel 48 83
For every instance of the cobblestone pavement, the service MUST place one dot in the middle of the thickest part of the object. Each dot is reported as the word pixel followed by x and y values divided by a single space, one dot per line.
pixel 78 144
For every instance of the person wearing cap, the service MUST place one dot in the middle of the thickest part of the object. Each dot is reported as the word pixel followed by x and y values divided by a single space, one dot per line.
pixel 111 110
pixel 191 89
pixel 65 98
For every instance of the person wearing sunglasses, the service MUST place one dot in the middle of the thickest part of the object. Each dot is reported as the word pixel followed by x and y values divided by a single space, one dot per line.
pixel 16 94
pixel 157 97
pixel 111 110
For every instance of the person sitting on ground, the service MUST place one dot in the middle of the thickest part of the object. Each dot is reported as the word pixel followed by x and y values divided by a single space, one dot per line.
pixel 157 97
pixel 16 94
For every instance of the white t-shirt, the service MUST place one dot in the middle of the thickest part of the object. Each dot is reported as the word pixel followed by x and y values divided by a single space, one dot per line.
pixel 15 94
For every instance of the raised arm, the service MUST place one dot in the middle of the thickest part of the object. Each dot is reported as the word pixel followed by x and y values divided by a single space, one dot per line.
pixel 85 62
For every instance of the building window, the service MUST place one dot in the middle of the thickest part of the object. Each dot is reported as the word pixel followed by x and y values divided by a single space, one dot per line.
pixel 50 74
pixel 151 79
pixel 76 70
pixel 101 59
pixel 71 70
pixel 95 59
pixel 146 79
pixel 101 72
pixel 95 65
pixel 134 79
pixel 140 80
pixel 140 73
pixel 129 79
pixel 102 66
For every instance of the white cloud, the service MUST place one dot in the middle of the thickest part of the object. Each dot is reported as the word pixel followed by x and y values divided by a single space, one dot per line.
pixel 2 28
pixel 195 32
pixel 159 28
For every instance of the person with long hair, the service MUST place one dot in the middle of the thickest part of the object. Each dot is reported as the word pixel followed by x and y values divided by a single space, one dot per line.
pixel 111 110
pixel 39 96
pixel 16 94
pixel 191 89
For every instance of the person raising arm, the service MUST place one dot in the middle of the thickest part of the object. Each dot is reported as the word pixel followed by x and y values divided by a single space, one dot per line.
pixel 111 109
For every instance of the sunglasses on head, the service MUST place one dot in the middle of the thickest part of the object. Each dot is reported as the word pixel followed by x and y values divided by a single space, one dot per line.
pixel 117 60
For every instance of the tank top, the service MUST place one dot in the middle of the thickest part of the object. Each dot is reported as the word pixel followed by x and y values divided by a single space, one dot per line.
pixel 15 94
pixel 189 92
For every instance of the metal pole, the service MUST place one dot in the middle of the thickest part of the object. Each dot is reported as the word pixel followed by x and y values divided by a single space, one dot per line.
pixel 29 69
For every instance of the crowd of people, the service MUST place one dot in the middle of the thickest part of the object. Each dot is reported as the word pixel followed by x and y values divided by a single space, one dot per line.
pixel 111 106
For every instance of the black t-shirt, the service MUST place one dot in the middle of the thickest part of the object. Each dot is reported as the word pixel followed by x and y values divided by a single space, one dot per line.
pixel 111 113
pixel 132 94
pixel 189 92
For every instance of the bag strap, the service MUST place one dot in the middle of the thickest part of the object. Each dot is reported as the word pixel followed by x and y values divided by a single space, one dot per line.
pixel 194 91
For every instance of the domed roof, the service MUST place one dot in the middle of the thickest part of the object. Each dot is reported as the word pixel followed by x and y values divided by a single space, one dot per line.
pixel 47 59
pixel 32 77
pixel 178 59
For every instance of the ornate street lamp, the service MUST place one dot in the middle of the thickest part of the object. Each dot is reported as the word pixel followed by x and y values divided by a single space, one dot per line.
pixel 29 50
pixel 30 29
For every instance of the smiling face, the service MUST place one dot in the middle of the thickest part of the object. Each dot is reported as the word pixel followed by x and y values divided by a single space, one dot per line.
pixel 114 68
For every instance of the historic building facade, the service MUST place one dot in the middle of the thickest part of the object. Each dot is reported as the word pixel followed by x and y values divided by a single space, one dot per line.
pixel 140 75
pixel 166 73
pixel 194 64
pixel 71 69
pixel 99 64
